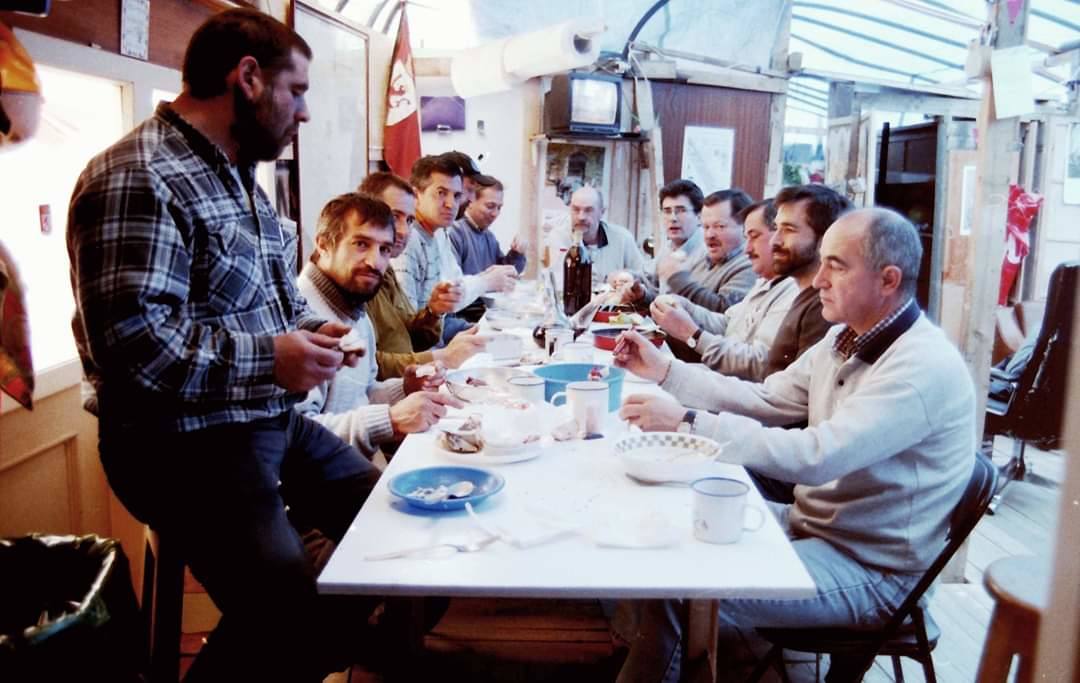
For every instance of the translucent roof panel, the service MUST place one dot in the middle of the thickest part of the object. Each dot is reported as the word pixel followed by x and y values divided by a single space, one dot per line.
pixel 911 41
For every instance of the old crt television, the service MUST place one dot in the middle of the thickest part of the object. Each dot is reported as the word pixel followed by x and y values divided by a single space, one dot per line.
pixel 580 102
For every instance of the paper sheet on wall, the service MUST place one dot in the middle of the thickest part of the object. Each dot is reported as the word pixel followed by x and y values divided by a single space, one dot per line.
pixel 1011 68
pixel 707 157
pixel 1071 194
pixel 135 28
pixel 967 199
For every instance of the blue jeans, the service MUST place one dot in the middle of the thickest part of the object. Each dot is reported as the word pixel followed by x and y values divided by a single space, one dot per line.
pixel 849 595
pixel 220 495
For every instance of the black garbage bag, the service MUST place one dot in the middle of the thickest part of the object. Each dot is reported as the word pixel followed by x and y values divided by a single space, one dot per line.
pixel 67 610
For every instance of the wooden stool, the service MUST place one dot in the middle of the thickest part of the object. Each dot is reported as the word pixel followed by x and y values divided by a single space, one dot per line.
pixel 1020 586
pixel 163 606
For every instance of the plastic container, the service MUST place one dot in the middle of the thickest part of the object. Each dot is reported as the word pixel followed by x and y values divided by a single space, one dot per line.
pixel 558 375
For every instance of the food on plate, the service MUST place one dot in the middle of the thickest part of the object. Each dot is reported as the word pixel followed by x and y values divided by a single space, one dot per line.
pixel 464 439
pixel 462 442
pixel 598 373
pixel 431 495
pixel 475 382
pixel 627 319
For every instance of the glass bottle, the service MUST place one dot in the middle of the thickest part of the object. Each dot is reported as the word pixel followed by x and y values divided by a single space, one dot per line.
pixel 577 275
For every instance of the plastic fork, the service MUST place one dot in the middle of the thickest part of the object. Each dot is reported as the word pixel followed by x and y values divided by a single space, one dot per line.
pixel 432 550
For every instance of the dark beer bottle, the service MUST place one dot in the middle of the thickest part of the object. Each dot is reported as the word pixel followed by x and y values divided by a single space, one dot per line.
pixel 577 275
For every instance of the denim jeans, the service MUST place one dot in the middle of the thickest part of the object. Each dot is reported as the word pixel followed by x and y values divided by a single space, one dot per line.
pixel 848 595
pixel 220 495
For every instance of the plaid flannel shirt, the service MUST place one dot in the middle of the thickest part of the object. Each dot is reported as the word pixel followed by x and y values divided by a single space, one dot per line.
pixel 182 277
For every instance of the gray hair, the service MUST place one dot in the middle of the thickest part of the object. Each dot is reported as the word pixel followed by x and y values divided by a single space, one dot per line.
pixel 891 240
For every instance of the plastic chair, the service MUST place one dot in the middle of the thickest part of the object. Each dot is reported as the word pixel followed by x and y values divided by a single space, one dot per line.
pixel 905 634
pixel 1033 410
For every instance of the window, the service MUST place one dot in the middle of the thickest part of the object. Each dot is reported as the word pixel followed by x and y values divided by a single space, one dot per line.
pixel 92 98
pixel 82 115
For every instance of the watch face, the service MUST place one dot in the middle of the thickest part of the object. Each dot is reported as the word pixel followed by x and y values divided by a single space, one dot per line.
pixel 691 343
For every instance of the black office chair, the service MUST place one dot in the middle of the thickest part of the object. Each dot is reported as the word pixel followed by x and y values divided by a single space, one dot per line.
pixel 1033 405
pixel 905 633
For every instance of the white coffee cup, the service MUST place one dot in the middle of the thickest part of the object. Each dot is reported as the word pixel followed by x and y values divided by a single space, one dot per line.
pixel 528 388
pixel 588 403
pixel 576 352
pixel 720 510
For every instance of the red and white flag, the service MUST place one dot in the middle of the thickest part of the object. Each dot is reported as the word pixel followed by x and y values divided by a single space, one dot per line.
pixel 401 133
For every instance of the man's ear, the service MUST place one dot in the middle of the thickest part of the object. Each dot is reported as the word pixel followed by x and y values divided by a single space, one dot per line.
pixel 249 76
pixel 891 278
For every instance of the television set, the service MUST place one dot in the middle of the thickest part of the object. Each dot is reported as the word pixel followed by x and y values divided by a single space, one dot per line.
pixel 583 103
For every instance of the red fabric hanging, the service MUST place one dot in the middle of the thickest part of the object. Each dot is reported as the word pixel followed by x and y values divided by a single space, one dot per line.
pixel 401 132
pixel 1022 209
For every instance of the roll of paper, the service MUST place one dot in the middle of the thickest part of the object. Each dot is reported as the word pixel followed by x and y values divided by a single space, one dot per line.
pixel 499 65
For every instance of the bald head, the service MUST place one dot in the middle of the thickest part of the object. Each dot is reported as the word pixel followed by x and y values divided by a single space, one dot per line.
pixel 586 211
pixel 869 266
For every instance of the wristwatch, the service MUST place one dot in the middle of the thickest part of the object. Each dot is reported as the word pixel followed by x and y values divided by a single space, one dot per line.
pixel 693 340
pixel 687 424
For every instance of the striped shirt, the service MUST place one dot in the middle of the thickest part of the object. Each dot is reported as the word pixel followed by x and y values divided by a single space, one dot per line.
pixel 183 276
pixel 429 259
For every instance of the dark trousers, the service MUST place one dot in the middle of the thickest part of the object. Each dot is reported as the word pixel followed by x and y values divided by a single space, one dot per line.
pixel 221 493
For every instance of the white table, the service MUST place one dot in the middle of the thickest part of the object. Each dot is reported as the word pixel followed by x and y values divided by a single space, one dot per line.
pixel 579 482
pixel 568 483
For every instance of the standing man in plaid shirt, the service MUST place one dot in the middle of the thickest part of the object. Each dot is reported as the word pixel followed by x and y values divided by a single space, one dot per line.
pixel 200 345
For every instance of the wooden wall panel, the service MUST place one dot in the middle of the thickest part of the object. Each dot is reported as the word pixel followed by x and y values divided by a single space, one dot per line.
pixel 678 105
pixel 97 22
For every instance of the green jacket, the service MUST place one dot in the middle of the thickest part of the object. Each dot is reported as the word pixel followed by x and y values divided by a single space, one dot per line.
pixel 399 329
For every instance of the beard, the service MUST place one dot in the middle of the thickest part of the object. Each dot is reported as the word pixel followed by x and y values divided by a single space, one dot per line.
pixel 258 136
pixel 363 291
pixel 790 261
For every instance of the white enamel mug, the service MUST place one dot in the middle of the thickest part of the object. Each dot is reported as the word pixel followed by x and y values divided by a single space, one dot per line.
pixel 720 510
pixel 576 352
pixel 528 388
pixel 588 402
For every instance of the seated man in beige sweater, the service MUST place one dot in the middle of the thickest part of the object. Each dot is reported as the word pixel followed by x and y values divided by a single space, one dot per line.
pixel 886 455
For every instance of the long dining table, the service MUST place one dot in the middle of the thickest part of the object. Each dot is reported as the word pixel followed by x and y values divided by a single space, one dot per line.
pixel 571 524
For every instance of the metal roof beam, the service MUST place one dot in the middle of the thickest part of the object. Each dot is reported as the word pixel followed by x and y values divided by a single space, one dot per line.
pixel 880 41
pixel 884 22
pixel 853 60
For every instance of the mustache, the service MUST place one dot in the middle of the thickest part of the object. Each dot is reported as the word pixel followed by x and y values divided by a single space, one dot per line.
pixel 371 272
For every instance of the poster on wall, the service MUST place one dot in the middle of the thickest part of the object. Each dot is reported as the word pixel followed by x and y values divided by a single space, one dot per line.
pixel 442 114
pixel 707 157
pixel 1071 192
pixel 571 165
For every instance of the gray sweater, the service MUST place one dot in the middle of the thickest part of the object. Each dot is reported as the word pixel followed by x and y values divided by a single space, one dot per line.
pixel 889 447
pixel 716 286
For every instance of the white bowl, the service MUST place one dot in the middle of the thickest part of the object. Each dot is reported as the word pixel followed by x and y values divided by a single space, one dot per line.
pixel 667 456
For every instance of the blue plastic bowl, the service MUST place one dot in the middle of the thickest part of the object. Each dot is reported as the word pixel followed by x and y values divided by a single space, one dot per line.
pixel 557 376
pixel 487 484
